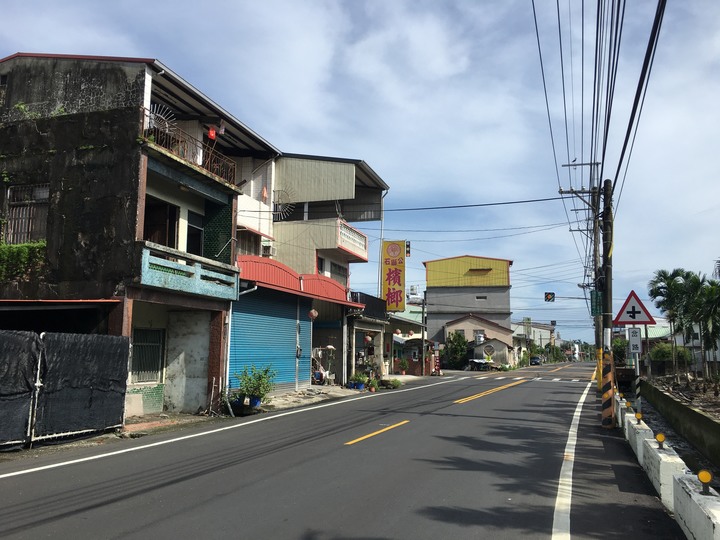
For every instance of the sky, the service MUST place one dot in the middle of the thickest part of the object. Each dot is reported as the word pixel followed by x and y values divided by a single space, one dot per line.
pixel 446 101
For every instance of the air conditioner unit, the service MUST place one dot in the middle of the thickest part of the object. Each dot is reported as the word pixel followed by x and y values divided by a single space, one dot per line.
pixel 269 251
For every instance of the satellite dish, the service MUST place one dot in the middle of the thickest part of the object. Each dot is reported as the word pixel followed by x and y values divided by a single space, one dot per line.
pixel 283 204
pixel 162 118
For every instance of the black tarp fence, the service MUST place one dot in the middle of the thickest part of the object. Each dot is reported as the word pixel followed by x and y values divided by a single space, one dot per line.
pixel 82 383
pixel 19 361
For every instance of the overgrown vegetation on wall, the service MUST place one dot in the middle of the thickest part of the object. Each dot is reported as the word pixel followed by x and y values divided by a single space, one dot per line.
pixel 21 262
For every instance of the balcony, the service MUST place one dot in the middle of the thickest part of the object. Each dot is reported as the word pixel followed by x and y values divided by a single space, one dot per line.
pixel 182 145
pixel 352 240
pixel 167 268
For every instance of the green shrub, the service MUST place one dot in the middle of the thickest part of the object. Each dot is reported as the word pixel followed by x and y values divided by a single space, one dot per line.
pixel 358 377
pixel 257 382
pixel 21 262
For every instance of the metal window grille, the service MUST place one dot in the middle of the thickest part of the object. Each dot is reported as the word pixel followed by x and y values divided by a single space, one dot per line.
pixel 148 353
pixel 27 213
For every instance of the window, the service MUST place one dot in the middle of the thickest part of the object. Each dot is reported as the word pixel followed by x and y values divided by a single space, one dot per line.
pixel 27 213
pixel 339 273
pixel 479 336
pixel 481 298
pixel 321 265
pixel 147 355
pixel 460 332
pixel 248 243
pixel 195 234
pixel 160 222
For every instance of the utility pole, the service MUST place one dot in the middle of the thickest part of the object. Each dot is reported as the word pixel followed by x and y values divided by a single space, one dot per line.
pixel 595 292
pixel 608 364
pixel 423 331
pixel 598 288
pixel 607 263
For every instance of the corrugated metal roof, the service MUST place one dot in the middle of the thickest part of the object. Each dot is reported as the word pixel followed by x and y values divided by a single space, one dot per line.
pixel 272 274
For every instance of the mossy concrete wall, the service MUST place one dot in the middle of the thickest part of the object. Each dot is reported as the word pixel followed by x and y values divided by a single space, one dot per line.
pixel 91 162
pixel 698 428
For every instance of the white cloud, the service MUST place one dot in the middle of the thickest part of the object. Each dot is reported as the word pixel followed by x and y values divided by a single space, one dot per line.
pixel 444 99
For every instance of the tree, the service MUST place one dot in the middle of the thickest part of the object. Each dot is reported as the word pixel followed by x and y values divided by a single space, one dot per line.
pixel 456 347
pixel 666 290
pixel 619 349
pixel 689 314
pixel 711 311
pixel 554 353
pixel 661 352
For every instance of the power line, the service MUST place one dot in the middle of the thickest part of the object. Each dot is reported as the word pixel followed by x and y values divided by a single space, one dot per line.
pixel 478 205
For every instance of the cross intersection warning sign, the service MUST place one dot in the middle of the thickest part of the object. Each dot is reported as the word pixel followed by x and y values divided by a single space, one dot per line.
pixel 633 312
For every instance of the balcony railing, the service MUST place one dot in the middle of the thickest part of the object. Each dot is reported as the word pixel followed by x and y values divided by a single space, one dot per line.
pixel 168 268
pixel 183 145
pixel 352 239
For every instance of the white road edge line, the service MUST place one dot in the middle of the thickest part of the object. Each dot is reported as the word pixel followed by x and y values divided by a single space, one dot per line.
pixel 213 431
pixel 561 516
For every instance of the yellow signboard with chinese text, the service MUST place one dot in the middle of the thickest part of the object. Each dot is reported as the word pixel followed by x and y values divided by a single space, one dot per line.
pixel 393 274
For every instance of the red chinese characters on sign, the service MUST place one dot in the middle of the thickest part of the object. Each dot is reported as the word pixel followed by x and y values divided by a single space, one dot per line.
pixel 393 274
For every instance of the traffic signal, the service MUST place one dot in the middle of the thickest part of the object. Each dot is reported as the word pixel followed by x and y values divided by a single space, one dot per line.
pixel 407 248
pixel 549 296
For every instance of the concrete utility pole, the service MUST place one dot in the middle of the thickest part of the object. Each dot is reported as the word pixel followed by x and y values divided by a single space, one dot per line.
pixel 597 272
pixel 608 363
pixel 607 263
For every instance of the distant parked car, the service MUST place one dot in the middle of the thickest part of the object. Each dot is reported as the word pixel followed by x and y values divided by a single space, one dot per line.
pixel 535 360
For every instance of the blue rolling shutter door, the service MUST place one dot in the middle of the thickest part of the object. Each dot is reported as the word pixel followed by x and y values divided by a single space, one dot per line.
pixel 264 330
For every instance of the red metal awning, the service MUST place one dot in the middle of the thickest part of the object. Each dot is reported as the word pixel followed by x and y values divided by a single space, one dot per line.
pixel 272 274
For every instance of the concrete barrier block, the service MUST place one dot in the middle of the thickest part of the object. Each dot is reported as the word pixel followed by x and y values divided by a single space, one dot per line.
pixel 661 466
pixel 636 434
pixel 698 515
pixel 620 410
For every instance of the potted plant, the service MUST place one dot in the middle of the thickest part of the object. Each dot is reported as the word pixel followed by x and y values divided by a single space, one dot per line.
pixel 359 380
pixel 256 383
pixel 373 385
pixel 403 365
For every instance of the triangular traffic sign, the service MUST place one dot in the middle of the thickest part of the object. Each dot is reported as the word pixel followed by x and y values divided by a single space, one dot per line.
pixel 633 312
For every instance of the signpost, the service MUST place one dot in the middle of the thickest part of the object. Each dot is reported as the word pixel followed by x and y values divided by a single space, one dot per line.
pixel 634 312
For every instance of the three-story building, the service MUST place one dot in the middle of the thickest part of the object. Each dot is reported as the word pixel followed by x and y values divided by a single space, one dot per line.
pixel 134 205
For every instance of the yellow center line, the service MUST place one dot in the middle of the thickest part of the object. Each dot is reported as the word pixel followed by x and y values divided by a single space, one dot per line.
pixel 558 369
pixel 377 432
pixel 488 392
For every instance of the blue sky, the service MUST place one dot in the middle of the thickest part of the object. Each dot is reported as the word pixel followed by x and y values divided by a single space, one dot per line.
pixel 444 100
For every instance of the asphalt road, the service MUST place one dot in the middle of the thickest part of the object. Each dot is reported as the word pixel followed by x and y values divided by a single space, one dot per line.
pixel 475 455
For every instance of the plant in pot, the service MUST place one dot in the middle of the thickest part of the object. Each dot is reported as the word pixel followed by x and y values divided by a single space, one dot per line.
pixel 256 383
pixel 403 365
pixel 359 380
pixel 373 385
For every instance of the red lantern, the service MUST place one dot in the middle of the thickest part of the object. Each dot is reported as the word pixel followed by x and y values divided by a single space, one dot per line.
pixel 368 339
pixel 211 133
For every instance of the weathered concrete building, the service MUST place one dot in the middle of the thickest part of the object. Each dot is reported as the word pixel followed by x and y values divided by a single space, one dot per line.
pixel 131 204
pixel 121 181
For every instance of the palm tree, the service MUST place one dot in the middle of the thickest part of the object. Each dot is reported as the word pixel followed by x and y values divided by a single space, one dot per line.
pixel 709 311
pixel 665 289
pixel 691 312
